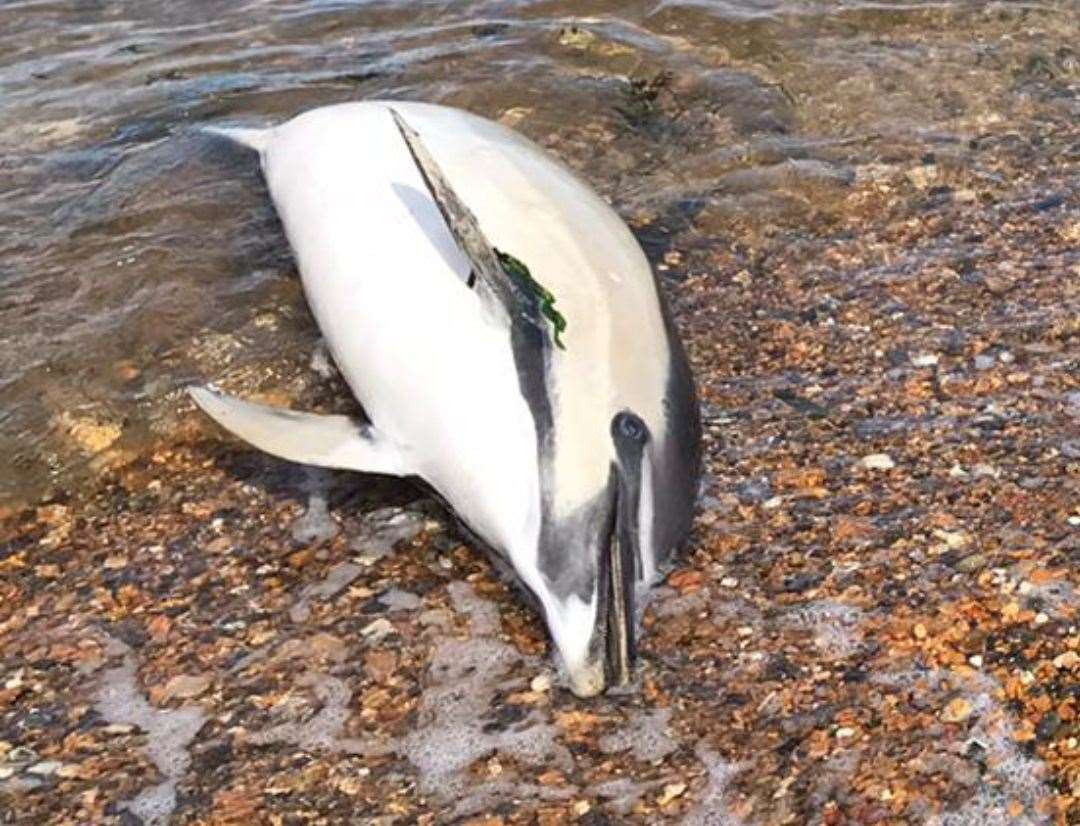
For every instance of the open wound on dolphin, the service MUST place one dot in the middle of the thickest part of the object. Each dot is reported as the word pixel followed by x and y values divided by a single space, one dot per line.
pixel 521 277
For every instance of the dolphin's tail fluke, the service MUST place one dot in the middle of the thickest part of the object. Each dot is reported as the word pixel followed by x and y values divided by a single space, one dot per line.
pixel 256 139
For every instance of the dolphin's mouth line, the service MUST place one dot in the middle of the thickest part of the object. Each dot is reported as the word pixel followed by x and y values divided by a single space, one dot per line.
pixel 624 565
pixel 619 637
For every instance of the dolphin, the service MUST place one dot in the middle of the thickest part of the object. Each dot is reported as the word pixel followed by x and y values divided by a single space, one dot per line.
pixel 509 344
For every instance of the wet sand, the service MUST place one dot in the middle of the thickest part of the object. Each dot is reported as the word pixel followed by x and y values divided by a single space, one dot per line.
pixel 875 620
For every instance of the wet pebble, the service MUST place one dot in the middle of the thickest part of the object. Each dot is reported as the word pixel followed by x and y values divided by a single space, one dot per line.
pixel 1071 449
pixel 971 563
pixel 671 791
pixel 183 687
pixel 877 461
pixel 22 754
pixel 1047 728
pixel 957 710
pixel 1067 660
pixel 753 491
pixel 378 629
pixel 383 529
pixel 45 768
pixel 435 618
pixel 397 600
pixel 796 583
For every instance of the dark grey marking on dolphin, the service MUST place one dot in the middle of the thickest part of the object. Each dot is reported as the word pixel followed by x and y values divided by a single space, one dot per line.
pixel 530 338
pixel 586 532
pixel 676 470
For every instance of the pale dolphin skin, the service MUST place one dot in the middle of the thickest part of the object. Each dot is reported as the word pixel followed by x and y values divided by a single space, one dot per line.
pixel 577 460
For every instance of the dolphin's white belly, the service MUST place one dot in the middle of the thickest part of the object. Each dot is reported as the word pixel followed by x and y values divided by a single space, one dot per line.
pixel 385 283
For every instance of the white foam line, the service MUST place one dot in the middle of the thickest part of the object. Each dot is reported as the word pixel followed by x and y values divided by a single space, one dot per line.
pixel 168 734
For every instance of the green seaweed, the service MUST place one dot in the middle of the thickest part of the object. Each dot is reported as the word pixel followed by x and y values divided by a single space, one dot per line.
pixel 523 279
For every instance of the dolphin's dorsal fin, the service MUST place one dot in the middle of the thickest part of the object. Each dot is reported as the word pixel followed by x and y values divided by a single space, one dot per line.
pixel 307 438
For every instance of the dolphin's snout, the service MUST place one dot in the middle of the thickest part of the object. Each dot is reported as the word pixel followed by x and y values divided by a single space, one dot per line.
pixel 588 679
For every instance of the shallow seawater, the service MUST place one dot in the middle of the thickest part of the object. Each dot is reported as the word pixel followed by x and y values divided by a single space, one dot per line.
pixel 138 255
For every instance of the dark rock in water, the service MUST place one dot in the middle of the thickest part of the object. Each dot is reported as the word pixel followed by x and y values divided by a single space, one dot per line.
pixel 1071 449
pixel 972 563
pixel 897 357
pixel 398 600
pixel 207 757
pixel 955 342
pixel 797 583
pixel 870 429
pixel 130 632
pixel 780 668
pixel 1048 726
pixel 803 723
pixel 754 491
pixel 40 718
pixel 1049 202
pixel 360 76
pixel 128 818
pixel 808 408
pixel 489 29
pixel 503 717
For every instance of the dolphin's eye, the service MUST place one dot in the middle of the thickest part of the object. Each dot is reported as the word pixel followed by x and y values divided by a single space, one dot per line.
pixel 629 426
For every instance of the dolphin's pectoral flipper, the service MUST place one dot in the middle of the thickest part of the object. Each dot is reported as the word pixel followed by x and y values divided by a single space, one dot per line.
pixel 307 438
pixel 487 274
pixel 505 283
